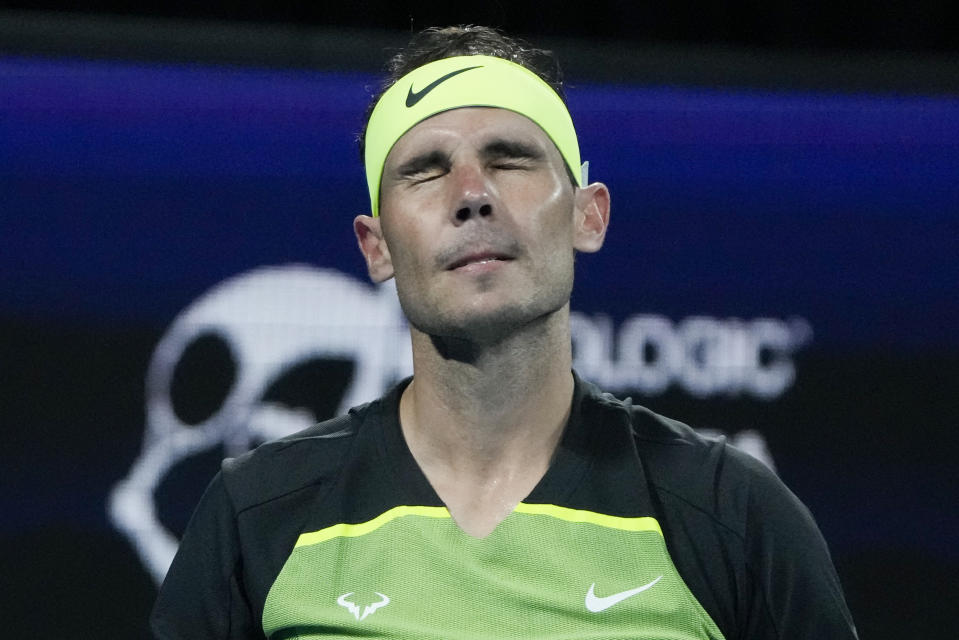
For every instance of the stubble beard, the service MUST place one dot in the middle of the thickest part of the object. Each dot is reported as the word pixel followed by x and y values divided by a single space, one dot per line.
pixel 481 328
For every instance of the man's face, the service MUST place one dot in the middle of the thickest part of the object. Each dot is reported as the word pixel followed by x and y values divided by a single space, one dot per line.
pixel 478 215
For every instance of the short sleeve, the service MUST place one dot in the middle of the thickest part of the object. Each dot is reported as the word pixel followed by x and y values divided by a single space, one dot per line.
pixel 202 596
pixel 794 591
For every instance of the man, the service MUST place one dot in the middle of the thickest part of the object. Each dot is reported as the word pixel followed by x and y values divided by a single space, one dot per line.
pixel 493 495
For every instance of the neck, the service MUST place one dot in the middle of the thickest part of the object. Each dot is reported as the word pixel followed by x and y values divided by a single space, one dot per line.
pixel 482 410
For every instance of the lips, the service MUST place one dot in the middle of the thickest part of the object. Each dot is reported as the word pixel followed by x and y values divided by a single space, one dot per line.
pixel 479 257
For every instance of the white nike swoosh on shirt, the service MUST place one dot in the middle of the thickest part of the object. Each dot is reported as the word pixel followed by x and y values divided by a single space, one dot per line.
pixel 596 604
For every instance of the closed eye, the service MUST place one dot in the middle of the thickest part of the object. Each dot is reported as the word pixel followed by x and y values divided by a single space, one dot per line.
pixel 424 167
pixel 512 154
pixel 425 176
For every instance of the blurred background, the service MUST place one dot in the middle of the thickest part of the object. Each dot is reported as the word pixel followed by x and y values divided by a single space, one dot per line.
pixel 178 277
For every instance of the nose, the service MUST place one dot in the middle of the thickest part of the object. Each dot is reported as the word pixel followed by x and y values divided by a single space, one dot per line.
pixel 473 195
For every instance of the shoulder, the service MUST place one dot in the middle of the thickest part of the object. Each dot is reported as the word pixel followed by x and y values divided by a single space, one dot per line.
pixel 746 546
pixel 299 461
pixel 710 475
pixel 693 472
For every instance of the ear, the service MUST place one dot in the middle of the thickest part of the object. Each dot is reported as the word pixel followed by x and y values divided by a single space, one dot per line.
pixel 591 217
pixel 369 235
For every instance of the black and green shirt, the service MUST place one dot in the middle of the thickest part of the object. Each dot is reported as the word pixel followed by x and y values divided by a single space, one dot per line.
pixel 639 529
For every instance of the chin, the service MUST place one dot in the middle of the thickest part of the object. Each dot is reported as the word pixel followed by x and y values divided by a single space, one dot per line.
pixel 485 317
pixel 477 326
pixel 487 325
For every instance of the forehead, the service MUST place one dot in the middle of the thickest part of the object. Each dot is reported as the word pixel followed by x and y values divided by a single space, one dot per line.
pixel 471 125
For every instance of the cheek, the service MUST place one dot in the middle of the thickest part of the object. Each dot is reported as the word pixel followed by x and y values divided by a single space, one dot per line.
pixel 540 191
pixel 408 250
pixel 550 218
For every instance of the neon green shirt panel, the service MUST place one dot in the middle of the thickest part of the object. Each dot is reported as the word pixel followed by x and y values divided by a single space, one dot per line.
pixel 544 572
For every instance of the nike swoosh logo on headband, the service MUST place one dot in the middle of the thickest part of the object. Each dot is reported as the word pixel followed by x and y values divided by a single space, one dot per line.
pixel 415 96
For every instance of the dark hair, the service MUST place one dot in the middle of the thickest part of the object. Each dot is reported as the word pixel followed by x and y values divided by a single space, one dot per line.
pixel 437 43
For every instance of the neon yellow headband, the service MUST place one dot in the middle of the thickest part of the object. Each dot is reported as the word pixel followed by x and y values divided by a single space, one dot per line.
pixel 465 81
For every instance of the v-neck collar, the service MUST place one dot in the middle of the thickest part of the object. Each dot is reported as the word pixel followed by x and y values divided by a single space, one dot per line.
pixel 569 466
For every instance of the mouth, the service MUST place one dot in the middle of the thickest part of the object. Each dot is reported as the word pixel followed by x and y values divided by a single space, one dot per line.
pixel 478 258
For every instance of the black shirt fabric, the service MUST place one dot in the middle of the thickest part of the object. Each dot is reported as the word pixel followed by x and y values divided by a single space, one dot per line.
pixel 747 549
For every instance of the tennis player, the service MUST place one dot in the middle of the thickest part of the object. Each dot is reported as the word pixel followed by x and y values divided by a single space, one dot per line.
pixel 494 494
